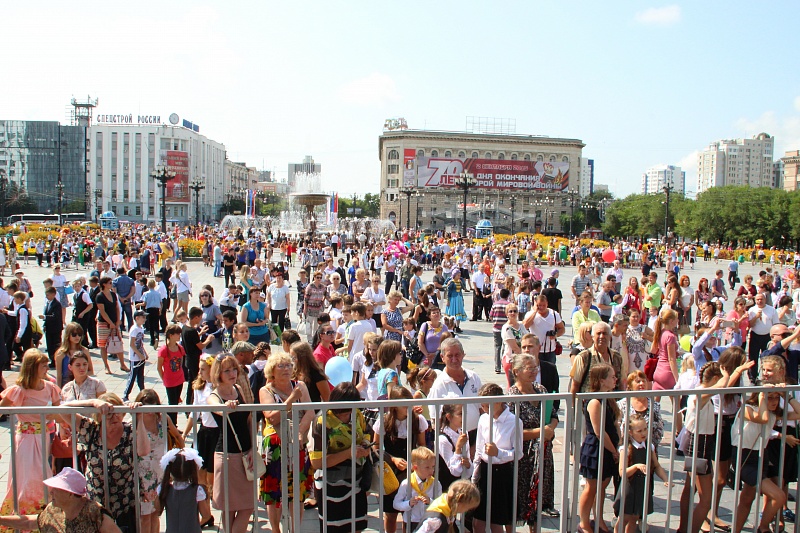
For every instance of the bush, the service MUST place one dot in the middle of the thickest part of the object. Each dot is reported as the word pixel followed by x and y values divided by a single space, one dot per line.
pixel 191 247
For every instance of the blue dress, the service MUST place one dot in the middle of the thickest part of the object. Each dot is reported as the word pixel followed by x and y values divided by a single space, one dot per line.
pixel 590 458
pixel 455 300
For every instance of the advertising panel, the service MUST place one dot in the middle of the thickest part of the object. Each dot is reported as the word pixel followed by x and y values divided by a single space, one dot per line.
pixel 409 167
pixel 494 173
pixel 178 187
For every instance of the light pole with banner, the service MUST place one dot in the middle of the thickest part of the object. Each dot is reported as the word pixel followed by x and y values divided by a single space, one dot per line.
pixel 162 176
pixel 197 186
pixel 465 181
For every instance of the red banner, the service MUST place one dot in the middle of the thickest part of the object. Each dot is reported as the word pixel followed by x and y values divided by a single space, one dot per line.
pixel 494 173
pixel 178 187
pixel 409 167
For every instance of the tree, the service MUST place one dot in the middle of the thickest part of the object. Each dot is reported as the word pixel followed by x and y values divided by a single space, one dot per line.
pixel 17 200
pixel 371 205
pixel 75 206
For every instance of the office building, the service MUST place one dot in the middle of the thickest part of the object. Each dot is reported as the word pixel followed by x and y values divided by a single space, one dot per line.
pixel 308 166
pixel 587 177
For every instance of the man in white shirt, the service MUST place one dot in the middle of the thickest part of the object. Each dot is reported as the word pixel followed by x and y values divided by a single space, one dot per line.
pixel 547 325
pixel 335 244
pixel 458 382
pixel 762 318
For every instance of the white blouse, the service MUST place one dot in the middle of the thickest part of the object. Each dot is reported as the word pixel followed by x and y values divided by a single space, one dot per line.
pixel 506 435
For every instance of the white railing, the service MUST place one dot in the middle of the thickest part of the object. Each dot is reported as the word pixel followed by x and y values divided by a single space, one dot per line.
pixel 569 433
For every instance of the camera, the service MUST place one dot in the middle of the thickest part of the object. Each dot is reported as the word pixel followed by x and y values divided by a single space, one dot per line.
pixel 551 333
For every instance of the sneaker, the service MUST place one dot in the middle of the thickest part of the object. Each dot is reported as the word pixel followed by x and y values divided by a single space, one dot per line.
pixel 788 515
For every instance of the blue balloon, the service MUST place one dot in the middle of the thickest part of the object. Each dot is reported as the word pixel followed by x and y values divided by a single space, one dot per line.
pixel 338 370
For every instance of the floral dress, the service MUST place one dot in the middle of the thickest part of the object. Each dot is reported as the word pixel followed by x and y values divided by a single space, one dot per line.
pixel 637 350
pixel 120 466
pixel 528 466
pixel 150 472
pixel 394 319
pixel 270 484
pixel 455 300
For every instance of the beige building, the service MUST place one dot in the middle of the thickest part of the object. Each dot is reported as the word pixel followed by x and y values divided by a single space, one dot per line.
pixel 737 162
pixel 425 163
pixel 791 170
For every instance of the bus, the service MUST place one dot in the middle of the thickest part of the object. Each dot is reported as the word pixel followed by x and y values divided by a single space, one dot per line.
pixel 40 218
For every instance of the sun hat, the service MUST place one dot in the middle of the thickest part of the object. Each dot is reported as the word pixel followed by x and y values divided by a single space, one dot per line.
pixel 69 480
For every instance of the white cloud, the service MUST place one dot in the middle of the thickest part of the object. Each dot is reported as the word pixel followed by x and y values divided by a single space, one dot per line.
pixel 660 16
pixel 377 89
pixel 785 130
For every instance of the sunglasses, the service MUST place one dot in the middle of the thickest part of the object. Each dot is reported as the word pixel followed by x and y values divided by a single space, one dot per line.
pixel 284 365
pixel 512 311
pixel 330 332
pixel 75 335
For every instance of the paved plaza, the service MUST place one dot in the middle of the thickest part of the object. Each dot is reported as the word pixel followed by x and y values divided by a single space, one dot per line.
pixel 478 342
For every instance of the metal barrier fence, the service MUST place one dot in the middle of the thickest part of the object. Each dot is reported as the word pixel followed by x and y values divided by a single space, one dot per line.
pixel 570 432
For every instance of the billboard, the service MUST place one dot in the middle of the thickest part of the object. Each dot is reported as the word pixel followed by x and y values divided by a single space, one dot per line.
pixel 178 187
pixel 409 167
pixel 494 173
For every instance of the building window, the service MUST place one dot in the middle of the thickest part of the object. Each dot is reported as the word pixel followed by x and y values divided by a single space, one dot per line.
pixel 501 155
pixel 394 169
pixel 552 159
pixel 462 154
pixel 125 195
pixel 540 157
pixel 393 183
pixel 565 159
pixel 114 209
pixel 448 153
pixel 488 155
pixel 475 155
pixel 434 153
pixel 151 211
pixel 138 210
pixel 420 153
pixel 393 155
pixel 114 196
pixel 514 157
pixel 125 210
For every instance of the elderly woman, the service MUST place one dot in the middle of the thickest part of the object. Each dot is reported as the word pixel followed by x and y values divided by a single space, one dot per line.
pixel 343 479
pixel 360 284
pixel 69 510
pixel 32 389
pixel 511 333
pixel 336 288
pixel 430 335
pixel 280 388
pixel 313 302
pixel 392 319
pixel 637 381
pixel 254 315
pixel 526 370
pixel 117 460
pixel 239 503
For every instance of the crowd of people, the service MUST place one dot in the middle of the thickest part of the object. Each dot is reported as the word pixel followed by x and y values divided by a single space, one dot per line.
pixel 266 339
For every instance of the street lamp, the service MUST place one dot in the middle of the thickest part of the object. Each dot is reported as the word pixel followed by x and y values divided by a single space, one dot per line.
pixel 60 189
pixel 98 193
pixel 513 200
pixel 465 181
pixel 409 192
pixel 162 176
pixel 572 194
pixel 545 202
pixel 197 186
pixel 416 217
pixel 3 185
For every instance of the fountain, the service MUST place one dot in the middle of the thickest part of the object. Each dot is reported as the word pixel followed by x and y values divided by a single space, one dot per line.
pixel 306 195
pixel 300 217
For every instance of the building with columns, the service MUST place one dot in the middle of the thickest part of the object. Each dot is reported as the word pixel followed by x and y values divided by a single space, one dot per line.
pixel 525 181
pixel 790 168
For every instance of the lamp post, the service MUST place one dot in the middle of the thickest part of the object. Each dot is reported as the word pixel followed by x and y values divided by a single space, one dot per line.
pixel 668 188
pixel 465 181
pixel 572 194
pixel 98 193
pixel 60 190
pixel 3 185
pixel 545 202
pixel 418 195
pixel 162 176
pixel 197 186
pixel 409 192
pixel 513 200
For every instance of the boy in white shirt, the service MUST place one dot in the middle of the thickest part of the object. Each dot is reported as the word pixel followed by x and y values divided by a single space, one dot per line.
pixel 136 354
pixel 418 491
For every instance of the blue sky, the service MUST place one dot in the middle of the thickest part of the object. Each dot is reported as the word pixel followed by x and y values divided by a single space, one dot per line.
pixel 641 83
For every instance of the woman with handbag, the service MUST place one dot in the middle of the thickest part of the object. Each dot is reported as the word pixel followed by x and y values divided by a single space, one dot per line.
pixel 224 374
pixel 344 481
pixel 280 388
pixel 108 324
